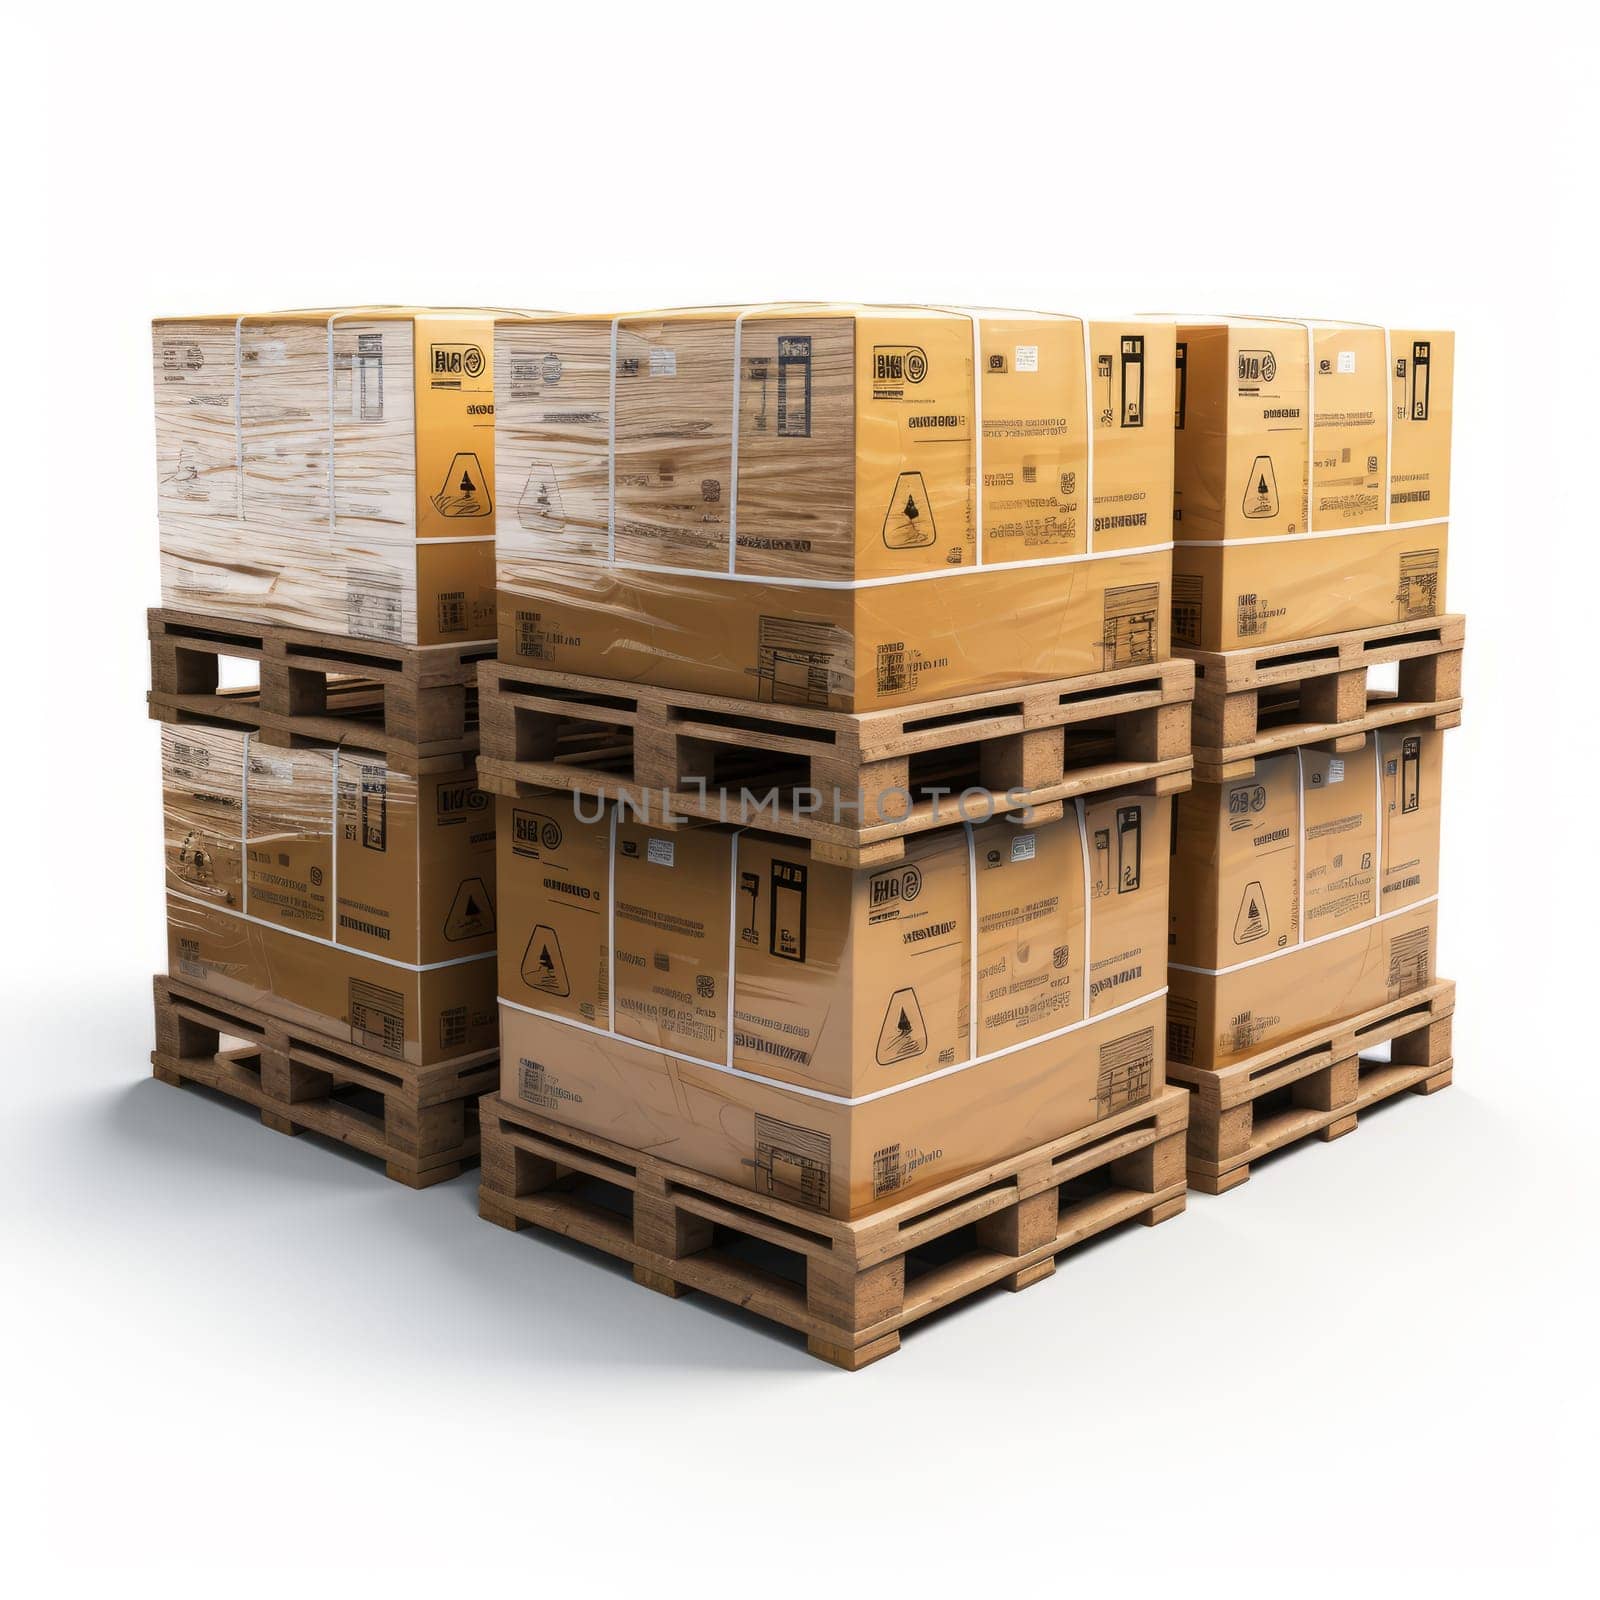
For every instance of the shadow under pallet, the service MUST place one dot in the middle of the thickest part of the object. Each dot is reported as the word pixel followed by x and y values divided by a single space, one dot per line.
pixel 1317 1083
pixel 421 1122
pixel 848 1287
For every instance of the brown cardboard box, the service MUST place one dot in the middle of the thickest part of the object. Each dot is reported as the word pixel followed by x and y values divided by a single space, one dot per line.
pixel 850 985
pixel 779 503
pixel 330 470
pixel 319 885
pixel 1303 894
pixel 835 1156
pixel 1280 539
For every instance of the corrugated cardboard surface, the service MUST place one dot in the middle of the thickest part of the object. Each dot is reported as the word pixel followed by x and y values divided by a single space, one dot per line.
pixel 329 470
pixel 850 1074
pixel 1268 509
pixel 839 1159
pixel 845 981
pixel 419 1016
pixel 324 882
pixel 1304 893
pixel 854 463
pixel 846 650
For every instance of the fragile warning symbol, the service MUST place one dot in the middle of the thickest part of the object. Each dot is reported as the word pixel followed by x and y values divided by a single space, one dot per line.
pixel 908 523
pixel 542 965
pixel 540 508
pixel 1261 489
pixel 471 914
pixel 1252 923
pixel 465 491
pixel 904 1035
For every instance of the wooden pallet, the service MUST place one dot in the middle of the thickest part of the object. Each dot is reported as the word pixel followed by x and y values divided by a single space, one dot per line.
pixel 421 1122
pixel 849 1287
pixel 1260 700
pixel 1314 1084
pixel 415 705
pixel 673 755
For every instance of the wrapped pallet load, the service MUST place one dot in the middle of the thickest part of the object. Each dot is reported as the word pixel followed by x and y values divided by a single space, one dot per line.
pixel 331 470
pixel 840 506
pixel 1313 479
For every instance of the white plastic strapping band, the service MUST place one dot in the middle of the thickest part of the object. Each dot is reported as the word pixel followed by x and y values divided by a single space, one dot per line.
pixel 611 451
pixel 244 826
pixel 1088 896
pixel 1304 944
pixel 238 416
pixel 332 944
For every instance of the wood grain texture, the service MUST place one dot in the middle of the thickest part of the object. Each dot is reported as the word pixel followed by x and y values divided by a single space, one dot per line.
pixel 849 1288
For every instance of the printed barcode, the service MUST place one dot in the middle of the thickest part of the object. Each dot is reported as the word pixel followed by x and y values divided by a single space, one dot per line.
pixel 891 669
pixel 888 1171
pixel 1188 596
pixel 1127 1069
pixel 1183 1022
pixel 453 611
pixel 533 644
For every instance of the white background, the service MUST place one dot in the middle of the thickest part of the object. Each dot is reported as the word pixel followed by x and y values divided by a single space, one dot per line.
pixel 228 1351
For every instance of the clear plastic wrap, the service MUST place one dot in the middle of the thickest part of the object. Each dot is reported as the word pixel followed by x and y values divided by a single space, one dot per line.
pixel 833 1034
pixel 330 469
pixel 316 880
pixel 1285 530
pixel 1303 894
pixel 815 504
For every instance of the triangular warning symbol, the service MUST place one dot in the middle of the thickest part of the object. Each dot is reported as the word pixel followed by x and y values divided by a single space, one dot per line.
pixel 465 492
pixel 1252 922
pixel 471 912
pixel 904 1035
pixel 542 963
pixel 540 509
pixel 1261 489
pixel 908 524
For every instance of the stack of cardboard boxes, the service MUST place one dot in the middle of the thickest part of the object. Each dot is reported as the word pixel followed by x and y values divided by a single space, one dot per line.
pixel 1313 484
pixel 741 549
pixel 327 530
pixel 825 673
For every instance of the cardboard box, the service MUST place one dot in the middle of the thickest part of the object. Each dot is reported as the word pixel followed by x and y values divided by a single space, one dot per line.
pixel 320 886
pixel 784 503
pixel 1302 895
pixel 1284 530
pixel 840 1158
pixel 330 469
pixel 849 985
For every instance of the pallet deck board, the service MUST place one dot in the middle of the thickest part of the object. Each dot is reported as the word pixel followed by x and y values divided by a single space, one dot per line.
pixel 1315 1083
pixel 423 1126
pixel 673 756
pixel 416 705
pixel 853 1286
pixel 1260 700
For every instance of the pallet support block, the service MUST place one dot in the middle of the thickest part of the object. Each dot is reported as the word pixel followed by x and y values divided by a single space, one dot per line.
pixel 1315 1084
pixel 1046 743
pixel 855 1285
pixel 424 1130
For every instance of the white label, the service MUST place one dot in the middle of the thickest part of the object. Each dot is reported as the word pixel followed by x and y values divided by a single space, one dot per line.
pixel 663 363
pixel 1336 770
pixel 1024 847
pixel 1027 358
pixel 278 768
pixel 1347 361
pixel 659 852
